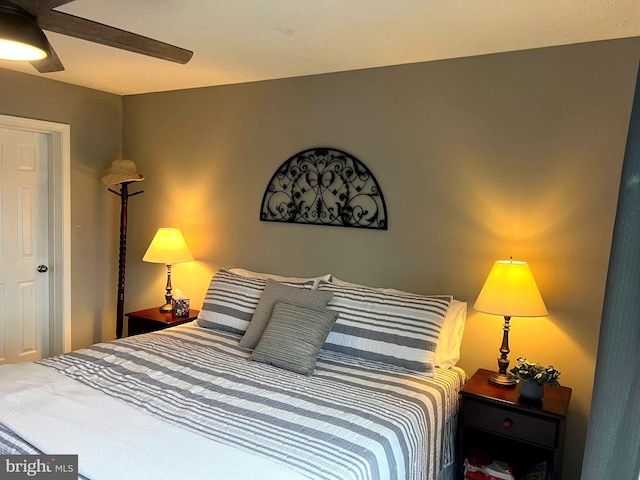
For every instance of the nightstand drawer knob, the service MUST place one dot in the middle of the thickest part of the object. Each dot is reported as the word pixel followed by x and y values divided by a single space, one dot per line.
pixel 508 423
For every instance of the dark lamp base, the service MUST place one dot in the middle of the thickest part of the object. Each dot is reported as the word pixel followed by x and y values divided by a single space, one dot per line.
pixel 166 308
pixel 502 380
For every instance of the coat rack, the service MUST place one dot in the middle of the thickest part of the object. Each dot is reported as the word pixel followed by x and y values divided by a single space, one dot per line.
pixel 123 172
pixel 122 258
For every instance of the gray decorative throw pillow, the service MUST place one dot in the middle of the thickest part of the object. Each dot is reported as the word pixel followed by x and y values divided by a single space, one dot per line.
pixel 294 336
pixel 277 292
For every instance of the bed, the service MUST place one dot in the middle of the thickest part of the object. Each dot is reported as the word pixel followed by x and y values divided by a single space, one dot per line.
pixel 193 402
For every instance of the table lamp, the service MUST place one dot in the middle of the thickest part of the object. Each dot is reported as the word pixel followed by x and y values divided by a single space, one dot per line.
pixel 509 291
pixel 168 247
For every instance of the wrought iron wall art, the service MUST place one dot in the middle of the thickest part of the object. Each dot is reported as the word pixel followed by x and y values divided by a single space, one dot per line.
pixel 324 186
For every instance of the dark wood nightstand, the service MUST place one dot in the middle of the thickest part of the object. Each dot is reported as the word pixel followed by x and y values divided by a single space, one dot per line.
pixel 522 433
pixel 152 319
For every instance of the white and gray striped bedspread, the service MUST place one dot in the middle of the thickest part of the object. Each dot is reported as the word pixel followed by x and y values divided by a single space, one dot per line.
pixel 352 419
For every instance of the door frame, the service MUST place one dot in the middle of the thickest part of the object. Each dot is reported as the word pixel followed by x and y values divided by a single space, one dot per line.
pixel 59 179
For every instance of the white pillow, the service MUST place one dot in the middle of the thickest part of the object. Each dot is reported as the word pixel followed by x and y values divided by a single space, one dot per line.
pixel 278 278
pixel 448 348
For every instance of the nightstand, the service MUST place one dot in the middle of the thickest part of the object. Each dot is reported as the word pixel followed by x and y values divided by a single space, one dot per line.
pixel 152 319
pixel 522 433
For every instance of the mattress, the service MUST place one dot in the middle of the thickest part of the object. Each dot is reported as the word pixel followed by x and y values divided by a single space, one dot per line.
pixel 352 419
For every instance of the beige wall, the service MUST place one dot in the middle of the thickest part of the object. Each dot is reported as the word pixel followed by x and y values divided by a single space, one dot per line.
pixel 96 139
pixel 479 159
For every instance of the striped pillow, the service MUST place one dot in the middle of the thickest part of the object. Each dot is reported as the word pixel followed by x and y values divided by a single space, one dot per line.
pixel 294 336
pixel 231 301
pixel 397 328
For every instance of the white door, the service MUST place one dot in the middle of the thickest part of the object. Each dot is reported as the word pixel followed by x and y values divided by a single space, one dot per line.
pixel 24 291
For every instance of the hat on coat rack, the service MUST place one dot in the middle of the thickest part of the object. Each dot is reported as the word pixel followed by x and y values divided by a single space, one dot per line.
pixel 122 171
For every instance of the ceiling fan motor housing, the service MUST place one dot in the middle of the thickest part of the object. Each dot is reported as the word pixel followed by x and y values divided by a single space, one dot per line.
pixel 19 26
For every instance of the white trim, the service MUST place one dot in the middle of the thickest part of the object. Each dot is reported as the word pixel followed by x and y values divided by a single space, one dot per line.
pixel 60 224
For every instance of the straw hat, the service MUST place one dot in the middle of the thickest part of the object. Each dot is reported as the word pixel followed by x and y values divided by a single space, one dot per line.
pixel 122 171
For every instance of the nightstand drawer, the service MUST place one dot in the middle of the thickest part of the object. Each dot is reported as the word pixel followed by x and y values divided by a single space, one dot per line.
pixel 520 426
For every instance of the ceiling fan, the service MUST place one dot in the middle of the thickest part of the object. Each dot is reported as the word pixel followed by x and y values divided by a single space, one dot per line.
pixel 22 22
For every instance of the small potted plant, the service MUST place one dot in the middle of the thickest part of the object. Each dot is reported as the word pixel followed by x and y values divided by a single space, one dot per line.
pixel 531 378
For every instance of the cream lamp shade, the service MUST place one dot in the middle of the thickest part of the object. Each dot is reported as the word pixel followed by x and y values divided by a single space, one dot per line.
pixel 168 247
pixel 509 291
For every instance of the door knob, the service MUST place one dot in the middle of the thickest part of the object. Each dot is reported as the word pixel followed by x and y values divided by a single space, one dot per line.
pixel 43 268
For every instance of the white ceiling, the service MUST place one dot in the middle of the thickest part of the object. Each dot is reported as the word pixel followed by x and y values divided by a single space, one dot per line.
pixel 237 41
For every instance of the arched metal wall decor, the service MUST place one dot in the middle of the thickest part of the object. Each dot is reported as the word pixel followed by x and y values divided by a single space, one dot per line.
pixel 325 186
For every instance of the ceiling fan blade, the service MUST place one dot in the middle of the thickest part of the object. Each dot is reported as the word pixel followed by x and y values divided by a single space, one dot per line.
pixel 49 4
pixel 36 6
pixel 73 26
pixel 50 64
